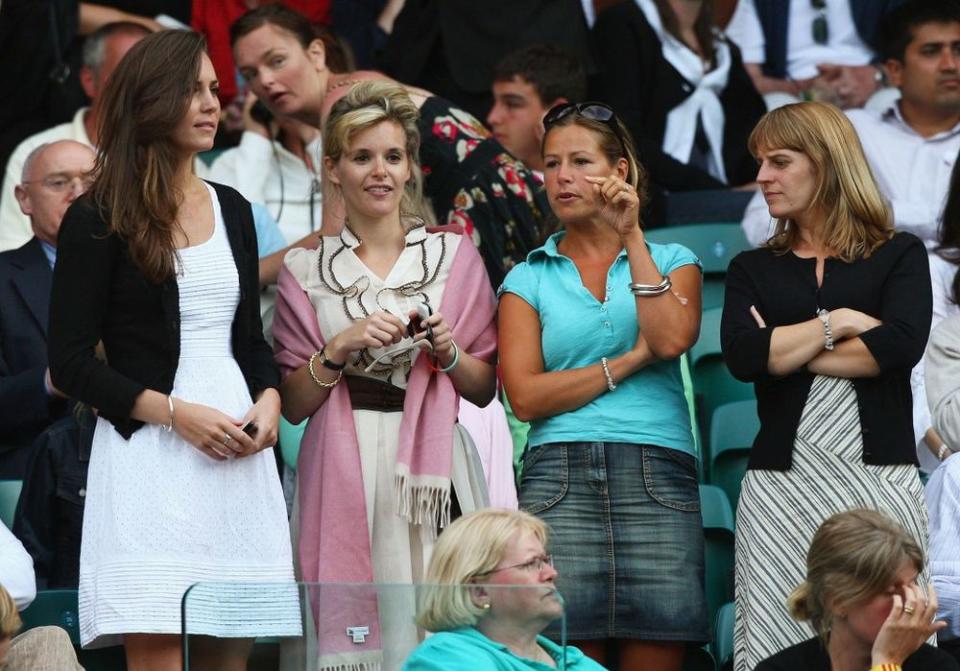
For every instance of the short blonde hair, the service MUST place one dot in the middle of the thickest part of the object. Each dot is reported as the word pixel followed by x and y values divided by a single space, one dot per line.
pixel 10 622
pixel 367 104
pixel 858 219
pixel 469 549
pixel 853 556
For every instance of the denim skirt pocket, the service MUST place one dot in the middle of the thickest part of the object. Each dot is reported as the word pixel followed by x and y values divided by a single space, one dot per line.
pixel 546 477
pixel 670 477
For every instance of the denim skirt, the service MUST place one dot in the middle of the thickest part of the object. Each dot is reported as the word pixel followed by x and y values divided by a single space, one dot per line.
pixel 626 538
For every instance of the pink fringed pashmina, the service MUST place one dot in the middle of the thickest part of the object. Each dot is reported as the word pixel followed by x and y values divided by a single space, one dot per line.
pixel 333 535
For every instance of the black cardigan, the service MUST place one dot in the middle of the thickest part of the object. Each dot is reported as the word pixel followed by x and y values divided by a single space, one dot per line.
pixel 811 656
pixel 98 293
pixel 893 285
pixel 643 88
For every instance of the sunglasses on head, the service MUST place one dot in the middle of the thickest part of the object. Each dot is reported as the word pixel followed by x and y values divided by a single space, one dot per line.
pixel 594 111
pixel 590 110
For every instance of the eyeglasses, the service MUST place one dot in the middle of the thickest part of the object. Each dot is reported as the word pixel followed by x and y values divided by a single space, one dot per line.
pixel 60 183
pixel 536 564
pixel 819 27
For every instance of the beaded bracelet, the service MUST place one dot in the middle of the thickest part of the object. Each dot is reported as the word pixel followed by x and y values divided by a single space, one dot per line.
pixel 606 373
pixel 824 316
pixel 313 374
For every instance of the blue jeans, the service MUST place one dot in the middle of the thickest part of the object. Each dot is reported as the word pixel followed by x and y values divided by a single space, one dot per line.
pixel 626 536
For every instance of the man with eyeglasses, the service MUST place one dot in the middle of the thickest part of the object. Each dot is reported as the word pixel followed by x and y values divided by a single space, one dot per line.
pixel 823 49
pixel 54 175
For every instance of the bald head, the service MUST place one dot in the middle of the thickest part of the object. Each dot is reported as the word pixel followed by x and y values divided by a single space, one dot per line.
pixel 54 175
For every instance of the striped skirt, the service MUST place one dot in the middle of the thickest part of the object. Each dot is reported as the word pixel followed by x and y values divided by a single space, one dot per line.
pixel 779 511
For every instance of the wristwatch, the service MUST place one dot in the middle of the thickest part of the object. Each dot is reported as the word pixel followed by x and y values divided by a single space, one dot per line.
pixel 327 363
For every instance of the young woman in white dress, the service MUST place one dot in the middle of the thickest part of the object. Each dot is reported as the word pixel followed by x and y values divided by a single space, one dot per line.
pixel 162 268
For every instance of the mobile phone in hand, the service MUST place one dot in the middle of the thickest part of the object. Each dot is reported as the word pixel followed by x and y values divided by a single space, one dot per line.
pixel 416 324
pixel 250 428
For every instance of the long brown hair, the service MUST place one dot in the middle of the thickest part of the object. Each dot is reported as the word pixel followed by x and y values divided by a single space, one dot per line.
pixel 146 97
pixel 858 219
pixel 703 27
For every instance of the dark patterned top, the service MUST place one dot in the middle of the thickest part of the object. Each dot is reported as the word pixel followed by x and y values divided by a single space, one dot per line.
pixel 473 181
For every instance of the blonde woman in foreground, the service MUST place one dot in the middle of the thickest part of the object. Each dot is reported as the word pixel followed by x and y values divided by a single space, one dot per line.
pixel 487 628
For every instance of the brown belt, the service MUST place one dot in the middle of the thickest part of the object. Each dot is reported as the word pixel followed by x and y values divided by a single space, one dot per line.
pixel 367 393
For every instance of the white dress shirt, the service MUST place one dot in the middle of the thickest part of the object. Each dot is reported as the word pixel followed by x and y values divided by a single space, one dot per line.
pixel 16 569
pixel 843 47
pixel 943 509
pixel 265 172
pixel 942 273
pixel 913 171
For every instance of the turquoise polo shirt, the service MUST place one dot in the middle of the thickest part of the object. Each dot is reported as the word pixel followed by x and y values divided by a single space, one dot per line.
pixel 577 330
pixel 467 648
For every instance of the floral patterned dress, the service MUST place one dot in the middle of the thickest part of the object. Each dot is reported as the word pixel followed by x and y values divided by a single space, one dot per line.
pixel 473 181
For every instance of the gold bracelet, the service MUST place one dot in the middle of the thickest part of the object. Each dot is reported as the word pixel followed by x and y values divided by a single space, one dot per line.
pixel 321 383
pixel 886 667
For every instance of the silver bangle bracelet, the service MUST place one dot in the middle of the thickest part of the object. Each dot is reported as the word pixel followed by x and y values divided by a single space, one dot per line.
pixel 650 289
pixel 606 373
pixel 944 451
pixel 824 316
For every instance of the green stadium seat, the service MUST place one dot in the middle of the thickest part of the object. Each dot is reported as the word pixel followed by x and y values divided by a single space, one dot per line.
pixel 712 382
pixel 714 244
pixel 9 495
pixel 732 430
pixel 209 156
pixel 723 637
pixel 718 534
pixel 289 438
pixel 59 608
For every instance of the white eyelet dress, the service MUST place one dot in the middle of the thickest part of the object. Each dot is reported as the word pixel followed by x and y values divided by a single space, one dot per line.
pixel 161 515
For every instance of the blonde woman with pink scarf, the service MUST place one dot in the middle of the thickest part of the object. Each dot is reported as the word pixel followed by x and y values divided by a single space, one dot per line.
pixel 379 332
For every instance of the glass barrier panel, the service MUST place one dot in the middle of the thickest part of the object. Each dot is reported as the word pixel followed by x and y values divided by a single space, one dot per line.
pixel 371 627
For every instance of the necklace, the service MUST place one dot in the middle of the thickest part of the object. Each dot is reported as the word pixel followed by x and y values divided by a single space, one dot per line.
pixel 341 84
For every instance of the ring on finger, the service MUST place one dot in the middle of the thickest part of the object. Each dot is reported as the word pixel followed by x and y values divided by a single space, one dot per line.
pixel 909 610
pixel 226 439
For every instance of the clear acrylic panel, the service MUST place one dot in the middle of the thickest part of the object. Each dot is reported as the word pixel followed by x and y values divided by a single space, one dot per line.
pixel 359 627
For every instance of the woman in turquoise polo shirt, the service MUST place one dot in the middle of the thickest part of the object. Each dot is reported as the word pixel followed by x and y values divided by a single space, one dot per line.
pixel 483 627
pixel 591 328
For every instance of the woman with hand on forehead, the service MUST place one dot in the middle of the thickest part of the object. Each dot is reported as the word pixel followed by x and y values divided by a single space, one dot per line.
pixel 592 326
